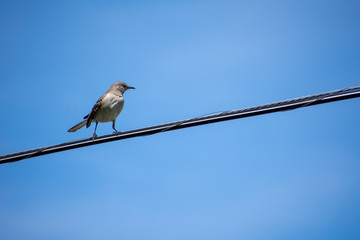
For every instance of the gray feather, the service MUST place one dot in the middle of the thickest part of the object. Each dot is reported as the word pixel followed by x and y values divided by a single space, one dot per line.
pixel 77 126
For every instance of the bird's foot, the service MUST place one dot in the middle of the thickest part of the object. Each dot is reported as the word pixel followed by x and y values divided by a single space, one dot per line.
pixel 94 136
pixel 116 132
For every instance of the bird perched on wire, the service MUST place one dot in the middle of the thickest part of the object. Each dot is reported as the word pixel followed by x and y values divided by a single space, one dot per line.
pixel 106 109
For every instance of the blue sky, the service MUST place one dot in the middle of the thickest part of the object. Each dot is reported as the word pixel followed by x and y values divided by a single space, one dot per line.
pixel 289 175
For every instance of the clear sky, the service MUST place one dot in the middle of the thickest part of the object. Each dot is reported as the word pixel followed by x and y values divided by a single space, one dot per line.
pixel 288 175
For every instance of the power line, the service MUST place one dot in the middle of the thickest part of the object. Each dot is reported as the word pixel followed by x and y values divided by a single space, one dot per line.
pixel 342 94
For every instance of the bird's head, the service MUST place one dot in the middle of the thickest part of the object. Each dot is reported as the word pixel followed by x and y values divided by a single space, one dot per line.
pixel 121 86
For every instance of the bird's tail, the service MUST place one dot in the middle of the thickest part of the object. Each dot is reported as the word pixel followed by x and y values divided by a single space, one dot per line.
pixel 77 126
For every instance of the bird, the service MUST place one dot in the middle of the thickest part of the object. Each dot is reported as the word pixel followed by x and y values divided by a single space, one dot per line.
pixel 106 109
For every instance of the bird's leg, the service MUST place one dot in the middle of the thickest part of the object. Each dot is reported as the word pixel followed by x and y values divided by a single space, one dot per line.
pixel 113 126
pixel 94 136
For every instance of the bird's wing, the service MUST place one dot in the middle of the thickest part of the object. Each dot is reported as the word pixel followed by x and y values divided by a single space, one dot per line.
pixel 93 111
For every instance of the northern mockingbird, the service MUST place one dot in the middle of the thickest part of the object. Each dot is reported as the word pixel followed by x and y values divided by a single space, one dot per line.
pixel 106 109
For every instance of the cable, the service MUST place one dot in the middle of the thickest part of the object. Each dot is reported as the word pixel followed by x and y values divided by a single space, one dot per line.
pixel 342 94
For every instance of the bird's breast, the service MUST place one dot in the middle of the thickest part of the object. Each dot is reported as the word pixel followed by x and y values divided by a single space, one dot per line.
pixel 111 106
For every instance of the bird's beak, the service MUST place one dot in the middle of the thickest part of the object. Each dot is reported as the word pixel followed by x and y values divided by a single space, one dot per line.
pixel 130 87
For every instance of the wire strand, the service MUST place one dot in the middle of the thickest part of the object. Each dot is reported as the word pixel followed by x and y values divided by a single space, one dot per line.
pixel 342 94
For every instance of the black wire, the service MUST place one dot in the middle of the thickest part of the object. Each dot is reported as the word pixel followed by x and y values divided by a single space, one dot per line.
pixel 347 93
